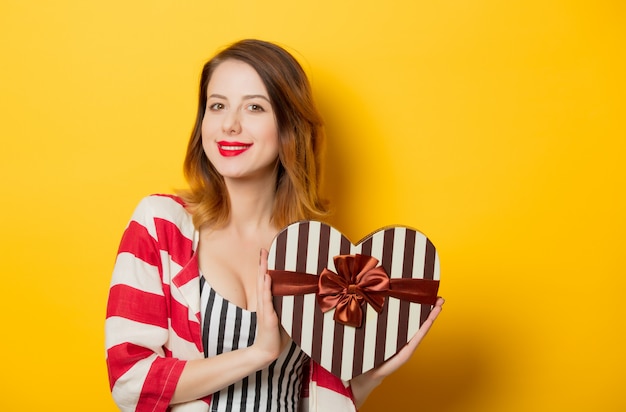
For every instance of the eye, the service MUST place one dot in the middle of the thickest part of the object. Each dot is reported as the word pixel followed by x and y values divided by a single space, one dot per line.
pixel 216 106
pixel 255 108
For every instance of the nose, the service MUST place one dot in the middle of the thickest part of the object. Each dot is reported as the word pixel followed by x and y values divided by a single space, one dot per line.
pixel 232 122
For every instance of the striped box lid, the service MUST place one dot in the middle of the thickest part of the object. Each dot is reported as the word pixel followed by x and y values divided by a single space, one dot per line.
pixel 310 248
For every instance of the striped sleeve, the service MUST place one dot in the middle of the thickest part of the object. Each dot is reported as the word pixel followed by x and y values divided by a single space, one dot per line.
pixel 142 376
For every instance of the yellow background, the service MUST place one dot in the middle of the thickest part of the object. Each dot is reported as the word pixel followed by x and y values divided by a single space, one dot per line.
pixel 495 127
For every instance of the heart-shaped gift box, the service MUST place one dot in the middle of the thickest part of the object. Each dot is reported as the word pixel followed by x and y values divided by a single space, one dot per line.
pixel 351 307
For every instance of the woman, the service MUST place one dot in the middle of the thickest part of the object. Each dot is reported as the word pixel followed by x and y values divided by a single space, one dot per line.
pixel 190 323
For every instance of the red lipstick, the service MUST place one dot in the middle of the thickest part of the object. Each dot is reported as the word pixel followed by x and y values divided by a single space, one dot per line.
pixel 230 149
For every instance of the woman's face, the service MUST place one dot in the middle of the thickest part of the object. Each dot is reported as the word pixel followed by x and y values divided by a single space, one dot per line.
pixel 239 130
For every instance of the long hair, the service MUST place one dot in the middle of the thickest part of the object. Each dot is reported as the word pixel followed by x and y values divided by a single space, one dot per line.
pixel 300 140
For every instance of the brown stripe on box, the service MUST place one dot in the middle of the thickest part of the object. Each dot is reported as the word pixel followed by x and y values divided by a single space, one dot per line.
pixel 407 273
pixel 359 335
pixel 429 261
pixel 429 273
pixel 381 327
pixel 344 249
pixel 318 316
pixel 366 247
pixel 298 301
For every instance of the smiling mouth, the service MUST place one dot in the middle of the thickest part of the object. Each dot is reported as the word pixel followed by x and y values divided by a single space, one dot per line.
pixel 229 149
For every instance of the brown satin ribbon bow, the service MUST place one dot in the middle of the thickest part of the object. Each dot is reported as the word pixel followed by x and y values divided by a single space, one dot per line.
pixel 357 280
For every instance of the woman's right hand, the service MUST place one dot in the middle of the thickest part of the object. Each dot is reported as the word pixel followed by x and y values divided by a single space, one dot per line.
pixel 271 338
pixel 201 377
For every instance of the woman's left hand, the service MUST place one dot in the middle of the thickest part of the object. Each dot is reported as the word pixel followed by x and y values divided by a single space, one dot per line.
pixel 363 384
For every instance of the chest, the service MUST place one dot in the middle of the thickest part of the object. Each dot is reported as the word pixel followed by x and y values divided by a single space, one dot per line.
pixel 231 265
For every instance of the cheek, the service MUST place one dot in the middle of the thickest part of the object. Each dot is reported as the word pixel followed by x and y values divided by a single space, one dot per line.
pixel 272 144
pixel 207 131
pixel 206 142
pixel 205 127
pixel 269 131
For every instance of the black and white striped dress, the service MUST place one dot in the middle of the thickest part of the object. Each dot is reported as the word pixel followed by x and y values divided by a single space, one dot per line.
pixel 226 327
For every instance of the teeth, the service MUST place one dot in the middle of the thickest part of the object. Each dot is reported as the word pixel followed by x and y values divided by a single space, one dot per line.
pixel 234 147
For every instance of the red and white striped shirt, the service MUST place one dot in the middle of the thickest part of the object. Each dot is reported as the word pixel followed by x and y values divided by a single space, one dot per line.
pixel 153 322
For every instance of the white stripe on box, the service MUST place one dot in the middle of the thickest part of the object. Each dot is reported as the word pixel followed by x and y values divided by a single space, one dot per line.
pixel 314 245
pixel 328 334
pixel 371 328
pixel 355 250
pixel 369 345
pixel 436 275
pixel 287 314
pixel 306 340
pixel 309 299
pixel 420 250
pixel 347 356
pixel 291 249
pixel 399 235
pixel 415 309
pixel 291 254
pixel 391 334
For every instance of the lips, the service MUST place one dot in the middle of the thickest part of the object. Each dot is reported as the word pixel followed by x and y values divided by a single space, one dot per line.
pixel 230 149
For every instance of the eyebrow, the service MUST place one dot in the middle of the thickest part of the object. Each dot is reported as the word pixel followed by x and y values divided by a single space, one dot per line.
pixel 245 97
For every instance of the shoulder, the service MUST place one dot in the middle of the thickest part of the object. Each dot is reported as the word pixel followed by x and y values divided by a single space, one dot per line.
pixel 163 207
pixel 161 204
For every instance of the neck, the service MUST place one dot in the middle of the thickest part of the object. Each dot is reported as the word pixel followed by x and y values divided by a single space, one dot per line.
pixel 251 203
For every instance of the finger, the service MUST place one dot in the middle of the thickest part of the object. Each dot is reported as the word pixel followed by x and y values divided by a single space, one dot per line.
pixel 263 261
pixel 267 293
pixel 267 299
pixel 436 310
pixel 432 316
pixel 260 284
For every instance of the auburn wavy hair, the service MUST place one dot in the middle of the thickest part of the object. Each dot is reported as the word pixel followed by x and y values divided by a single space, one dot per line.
pixel 300 136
